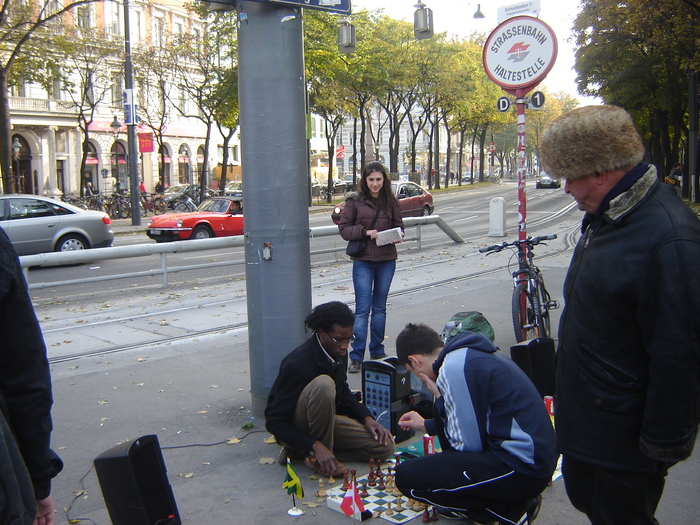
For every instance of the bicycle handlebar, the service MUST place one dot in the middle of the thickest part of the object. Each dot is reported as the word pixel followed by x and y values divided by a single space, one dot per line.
pixel 530 241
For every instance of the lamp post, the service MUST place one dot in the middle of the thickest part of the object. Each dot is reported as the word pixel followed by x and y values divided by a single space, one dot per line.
pixel 16 148
pixel 130 109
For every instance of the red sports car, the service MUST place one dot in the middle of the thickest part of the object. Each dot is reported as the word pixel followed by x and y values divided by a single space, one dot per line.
pixel 414 201
pixel 215 217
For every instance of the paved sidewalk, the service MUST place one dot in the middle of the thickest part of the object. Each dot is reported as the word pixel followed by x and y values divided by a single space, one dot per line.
pixel 195 396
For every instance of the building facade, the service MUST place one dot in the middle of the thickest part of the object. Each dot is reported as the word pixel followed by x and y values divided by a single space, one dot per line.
pixel 48 142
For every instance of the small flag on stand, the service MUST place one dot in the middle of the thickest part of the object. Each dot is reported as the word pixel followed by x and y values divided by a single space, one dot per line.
pixel 293 485
pixel 292 482
pixel 352 504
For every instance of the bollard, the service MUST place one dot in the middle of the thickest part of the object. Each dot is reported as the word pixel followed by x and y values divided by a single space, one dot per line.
pixel 497 217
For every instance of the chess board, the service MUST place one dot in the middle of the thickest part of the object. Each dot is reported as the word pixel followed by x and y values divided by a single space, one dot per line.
pixel 375 502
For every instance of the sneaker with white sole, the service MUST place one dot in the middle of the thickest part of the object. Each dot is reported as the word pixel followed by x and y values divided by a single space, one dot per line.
pixel 355 366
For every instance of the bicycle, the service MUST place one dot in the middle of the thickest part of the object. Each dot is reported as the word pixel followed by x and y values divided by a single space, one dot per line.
pixel 153 203
pixel 531 301
pixel 185 205
pixel 118 206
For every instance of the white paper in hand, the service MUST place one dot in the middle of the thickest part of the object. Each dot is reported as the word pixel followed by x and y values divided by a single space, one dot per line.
pixel 391 236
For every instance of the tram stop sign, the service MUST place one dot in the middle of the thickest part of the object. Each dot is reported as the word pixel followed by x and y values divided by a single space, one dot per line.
pixel 519 53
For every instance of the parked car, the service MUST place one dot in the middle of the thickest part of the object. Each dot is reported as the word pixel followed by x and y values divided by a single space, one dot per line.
pixel 545 181
pixel 215 217
pixel 342 186
pixel 38 224
pixel 174 194
pixel 234 188
pixel 413 200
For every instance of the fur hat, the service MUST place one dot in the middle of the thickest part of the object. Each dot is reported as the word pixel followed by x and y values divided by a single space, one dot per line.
pixel 588 140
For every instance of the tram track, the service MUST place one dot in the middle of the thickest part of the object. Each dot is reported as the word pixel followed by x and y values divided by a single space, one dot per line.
pixel 338 279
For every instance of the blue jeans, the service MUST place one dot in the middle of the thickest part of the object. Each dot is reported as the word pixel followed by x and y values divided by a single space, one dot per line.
pixel 371 280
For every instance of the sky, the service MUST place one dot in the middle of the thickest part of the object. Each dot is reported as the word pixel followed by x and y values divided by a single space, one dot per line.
pixel 456 18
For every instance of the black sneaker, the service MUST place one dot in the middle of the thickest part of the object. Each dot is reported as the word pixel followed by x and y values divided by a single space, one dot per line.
pixel 533 508
pixel 380 356
pixel 354 366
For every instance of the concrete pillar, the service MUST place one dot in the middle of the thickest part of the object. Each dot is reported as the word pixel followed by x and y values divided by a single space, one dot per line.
pixel 497 217
pixel 272 97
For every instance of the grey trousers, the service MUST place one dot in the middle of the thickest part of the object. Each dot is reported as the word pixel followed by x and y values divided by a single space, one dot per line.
pixel 348 438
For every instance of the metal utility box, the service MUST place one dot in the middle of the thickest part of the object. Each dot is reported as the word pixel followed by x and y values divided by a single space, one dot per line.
pixel 386 391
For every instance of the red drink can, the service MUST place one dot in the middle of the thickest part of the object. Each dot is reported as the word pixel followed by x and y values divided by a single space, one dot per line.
pixel 428 445
pixel 549 404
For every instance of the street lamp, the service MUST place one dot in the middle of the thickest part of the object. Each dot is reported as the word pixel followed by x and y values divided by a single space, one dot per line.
pixel 478 13
pixel 131 119
pixel 346 36
pixel 422 21
pixel 16 148
pixel 116 126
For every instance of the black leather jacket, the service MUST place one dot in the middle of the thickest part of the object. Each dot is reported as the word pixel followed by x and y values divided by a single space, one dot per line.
pixel 25 383
pixel 628 388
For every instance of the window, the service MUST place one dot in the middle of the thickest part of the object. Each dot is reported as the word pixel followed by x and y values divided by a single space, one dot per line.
pixel 158 31
pixel 88 87
pixel 29 208
pixel 83 16
pixel 117 91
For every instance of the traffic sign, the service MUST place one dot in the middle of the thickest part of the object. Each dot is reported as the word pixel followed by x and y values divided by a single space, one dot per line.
pixel 519 53
pixel 336 6
pixel 503 104
pixel 537 99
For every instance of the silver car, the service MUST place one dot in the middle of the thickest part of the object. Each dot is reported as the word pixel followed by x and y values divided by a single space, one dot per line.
pixel 38 224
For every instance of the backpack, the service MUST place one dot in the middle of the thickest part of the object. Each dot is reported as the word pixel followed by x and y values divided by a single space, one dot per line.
pixel 467 322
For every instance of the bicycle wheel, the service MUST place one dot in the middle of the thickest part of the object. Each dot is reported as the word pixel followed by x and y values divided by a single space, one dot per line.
pixel 124 210
pixel 523 314
pixel 545 323
pixel 113 210
pixel 159 206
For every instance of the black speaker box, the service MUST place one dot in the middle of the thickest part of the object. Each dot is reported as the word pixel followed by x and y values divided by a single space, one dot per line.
pixel 536 358
pixel 135 485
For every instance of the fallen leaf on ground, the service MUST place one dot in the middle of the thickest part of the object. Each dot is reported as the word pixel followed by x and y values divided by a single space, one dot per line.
pixel 267 461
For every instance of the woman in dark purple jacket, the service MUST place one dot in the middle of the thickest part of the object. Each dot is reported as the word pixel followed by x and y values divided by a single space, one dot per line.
pixel 373 271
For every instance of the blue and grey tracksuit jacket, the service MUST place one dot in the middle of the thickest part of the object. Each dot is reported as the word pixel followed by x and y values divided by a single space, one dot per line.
pixel 489 404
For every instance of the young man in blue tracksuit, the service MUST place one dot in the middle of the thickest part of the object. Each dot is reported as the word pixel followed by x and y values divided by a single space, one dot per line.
pixel 498 444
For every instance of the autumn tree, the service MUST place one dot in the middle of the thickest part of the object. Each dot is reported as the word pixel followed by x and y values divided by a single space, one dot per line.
pixel 89 58
pixel 31 36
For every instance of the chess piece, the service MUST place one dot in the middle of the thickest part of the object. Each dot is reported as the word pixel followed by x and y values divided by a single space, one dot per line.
pixel 346 483
pixel 353 472
pixel 331 479
pixel 399 504
pixel 381 485
pixel 397 458
pixel 434 515
pixel 426 516
pixel 389 510
pixel 364 492
pixel 390 484
pixel 321 492
pixel 416 506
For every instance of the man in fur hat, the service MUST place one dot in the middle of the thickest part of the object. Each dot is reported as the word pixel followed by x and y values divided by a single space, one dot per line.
pixel 628 361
